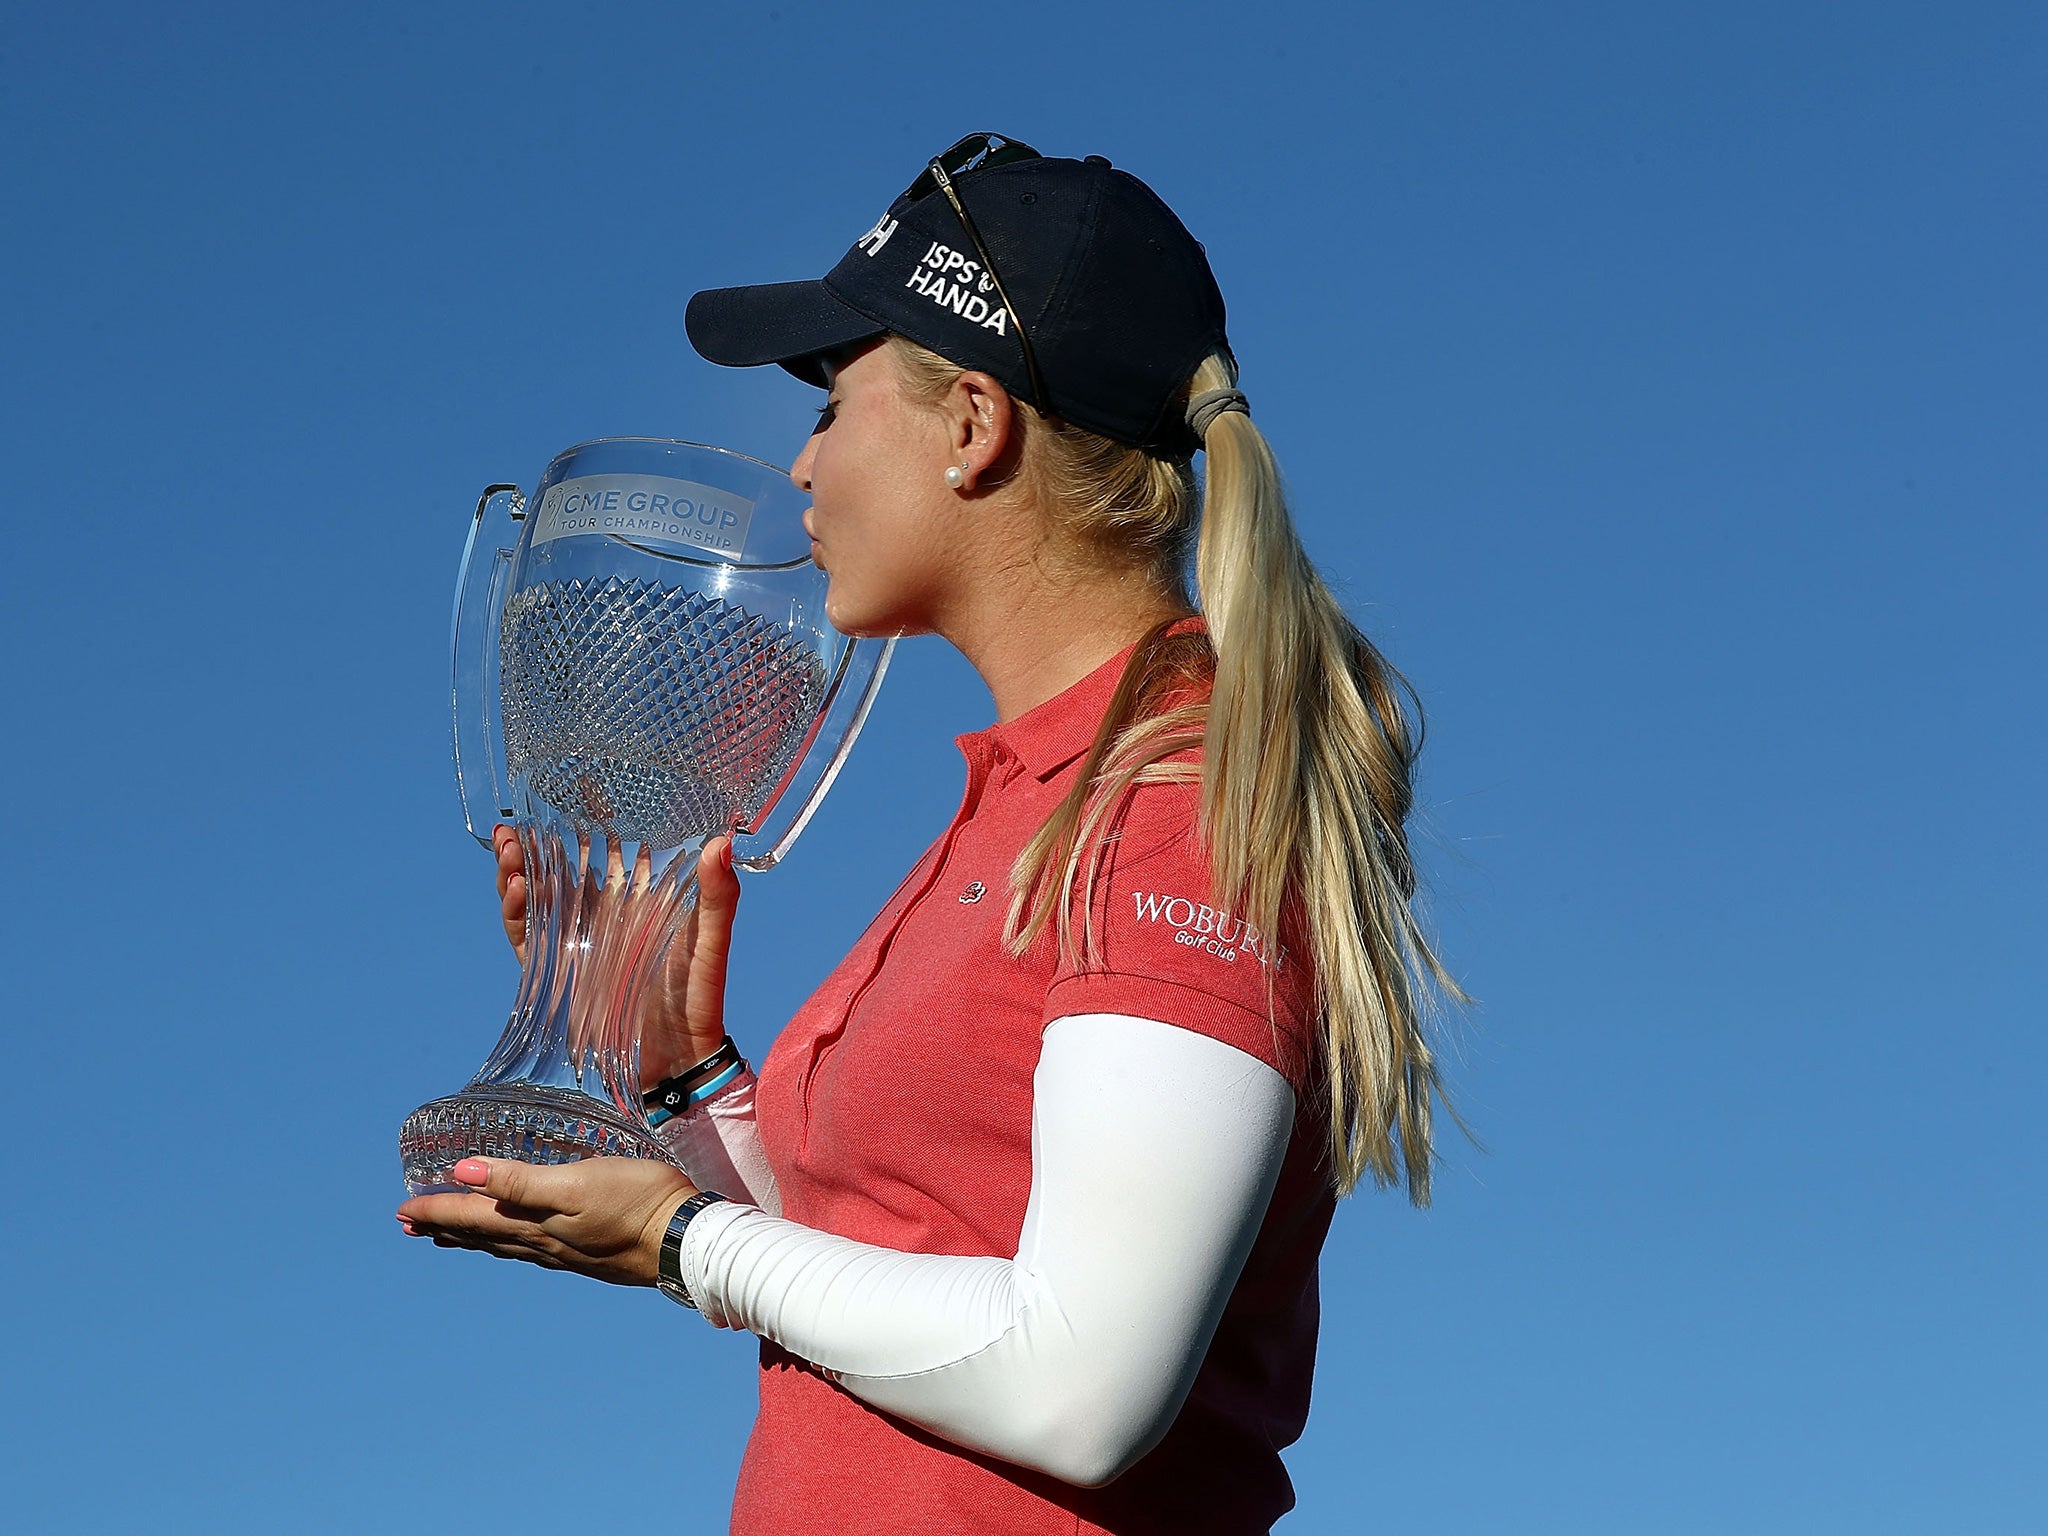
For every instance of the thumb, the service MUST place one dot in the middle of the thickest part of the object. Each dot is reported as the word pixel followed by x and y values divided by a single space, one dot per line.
pixel 718 886
pixel 502 1178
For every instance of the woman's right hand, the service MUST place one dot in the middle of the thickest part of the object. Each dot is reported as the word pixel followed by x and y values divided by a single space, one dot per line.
pixel 682 1018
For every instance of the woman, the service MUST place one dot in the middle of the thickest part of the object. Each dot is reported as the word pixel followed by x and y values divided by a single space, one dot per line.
pixel 1026 1201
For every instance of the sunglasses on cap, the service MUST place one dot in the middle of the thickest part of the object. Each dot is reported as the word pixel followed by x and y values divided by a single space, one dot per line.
pixel 979 152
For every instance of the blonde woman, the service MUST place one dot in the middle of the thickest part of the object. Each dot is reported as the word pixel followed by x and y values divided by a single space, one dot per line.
pixel 1025 1203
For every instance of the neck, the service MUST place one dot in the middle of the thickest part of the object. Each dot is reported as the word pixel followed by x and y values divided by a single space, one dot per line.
pixel 1033 639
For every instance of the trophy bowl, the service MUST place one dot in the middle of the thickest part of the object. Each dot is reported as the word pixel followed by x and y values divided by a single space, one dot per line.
pixel 641 662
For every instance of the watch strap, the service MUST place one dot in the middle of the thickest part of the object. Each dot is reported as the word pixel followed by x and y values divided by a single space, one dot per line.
pixel 668 1270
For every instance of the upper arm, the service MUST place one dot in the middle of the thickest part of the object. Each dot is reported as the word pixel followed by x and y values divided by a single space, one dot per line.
pixel 1154 942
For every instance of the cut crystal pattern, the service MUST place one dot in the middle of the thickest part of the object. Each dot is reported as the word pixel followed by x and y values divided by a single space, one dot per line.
pixel 650 713
pixel 537 1126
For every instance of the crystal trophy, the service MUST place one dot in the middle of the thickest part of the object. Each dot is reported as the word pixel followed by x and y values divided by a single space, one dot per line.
pixel 641 662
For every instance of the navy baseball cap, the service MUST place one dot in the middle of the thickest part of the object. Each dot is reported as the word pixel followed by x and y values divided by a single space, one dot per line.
pixel 1115 295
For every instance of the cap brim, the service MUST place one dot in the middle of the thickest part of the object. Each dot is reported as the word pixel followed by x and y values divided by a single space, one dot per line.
pixel 786 323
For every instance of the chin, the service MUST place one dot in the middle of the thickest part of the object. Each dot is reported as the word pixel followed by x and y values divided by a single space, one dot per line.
pixel 867 624
pixel 847 620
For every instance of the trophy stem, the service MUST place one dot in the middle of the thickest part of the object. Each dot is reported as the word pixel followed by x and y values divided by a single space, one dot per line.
pixel 563 1082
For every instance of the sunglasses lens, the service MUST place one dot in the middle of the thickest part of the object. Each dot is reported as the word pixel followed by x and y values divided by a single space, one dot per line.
pixel 989 149
pixel 976 152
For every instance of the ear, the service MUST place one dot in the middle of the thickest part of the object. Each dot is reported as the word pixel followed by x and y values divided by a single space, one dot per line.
pixel 982 420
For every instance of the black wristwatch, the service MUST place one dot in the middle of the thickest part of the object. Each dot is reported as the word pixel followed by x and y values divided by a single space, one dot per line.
pixel 668 1276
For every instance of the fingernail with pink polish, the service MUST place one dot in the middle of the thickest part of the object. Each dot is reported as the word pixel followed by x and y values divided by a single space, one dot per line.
pixel 471 1170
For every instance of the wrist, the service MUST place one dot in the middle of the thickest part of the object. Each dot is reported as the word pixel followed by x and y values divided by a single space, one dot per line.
pixel 695 1084
pixel 686 1057
pixel 668 1275
pixel 647 1252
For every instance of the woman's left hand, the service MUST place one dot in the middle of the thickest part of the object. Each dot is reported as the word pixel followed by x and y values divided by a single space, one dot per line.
pixel 603 1217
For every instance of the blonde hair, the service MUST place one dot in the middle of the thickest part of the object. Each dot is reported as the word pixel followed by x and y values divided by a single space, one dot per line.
pixel 1304 740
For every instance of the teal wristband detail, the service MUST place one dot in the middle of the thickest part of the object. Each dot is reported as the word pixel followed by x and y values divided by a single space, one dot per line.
pixel 693 1085
pixel 710 1087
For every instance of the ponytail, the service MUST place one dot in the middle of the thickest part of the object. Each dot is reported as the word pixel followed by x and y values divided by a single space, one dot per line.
pixel 1310 746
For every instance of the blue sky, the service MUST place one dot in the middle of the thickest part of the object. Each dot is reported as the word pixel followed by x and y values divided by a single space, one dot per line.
pixel 1662 386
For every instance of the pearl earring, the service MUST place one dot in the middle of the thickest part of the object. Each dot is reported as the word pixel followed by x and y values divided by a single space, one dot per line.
pixel 956 475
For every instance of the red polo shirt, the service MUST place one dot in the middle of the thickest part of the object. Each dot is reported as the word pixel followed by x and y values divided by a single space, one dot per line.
pixel 895 1108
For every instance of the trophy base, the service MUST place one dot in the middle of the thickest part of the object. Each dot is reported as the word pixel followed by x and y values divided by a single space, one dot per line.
pixel 533 1125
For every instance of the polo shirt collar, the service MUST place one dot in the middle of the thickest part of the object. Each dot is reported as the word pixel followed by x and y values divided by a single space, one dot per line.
pixel 1047 738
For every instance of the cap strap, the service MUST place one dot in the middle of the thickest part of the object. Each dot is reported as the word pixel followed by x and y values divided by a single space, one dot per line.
pixel 1210 404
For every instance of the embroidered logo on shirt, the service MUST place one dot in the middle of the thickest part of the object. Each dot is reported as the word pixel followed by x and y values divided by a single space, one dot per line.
pixel 974 892
pixel 1201 927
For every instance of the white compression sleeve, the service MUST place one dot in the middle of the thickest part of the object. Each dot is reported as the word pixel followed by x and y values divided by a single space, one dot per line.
pixel 719 1146
pixel 1154 1152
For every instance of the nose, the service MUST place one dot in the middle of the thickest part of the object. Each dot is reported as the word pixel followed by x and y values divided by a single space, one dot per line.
pixel 800 471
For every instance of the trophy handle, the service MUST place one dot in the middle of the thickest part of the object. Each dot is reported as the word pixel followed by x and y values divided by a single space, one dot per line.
pixel 480 586
pixel 762 843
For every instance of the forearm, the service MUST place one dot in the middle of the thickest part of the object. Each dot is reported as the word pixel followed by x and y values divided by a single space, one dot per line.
pixel 1155 1153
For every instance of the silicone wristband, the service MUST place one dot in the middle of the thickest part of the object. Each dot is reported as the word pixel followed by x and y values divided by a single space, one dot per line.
pixel 672 1095
pixel 693 1086
pixel 709 1090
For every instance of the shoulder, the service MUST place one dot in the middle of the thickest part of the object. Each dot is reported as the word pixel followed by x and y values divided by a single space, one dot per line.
pixel 1152 939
